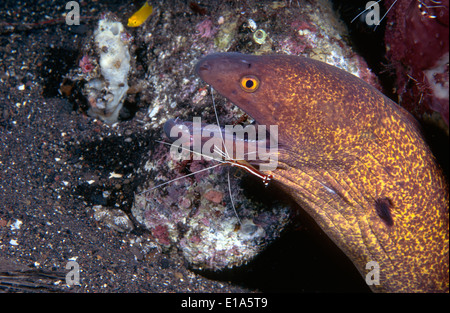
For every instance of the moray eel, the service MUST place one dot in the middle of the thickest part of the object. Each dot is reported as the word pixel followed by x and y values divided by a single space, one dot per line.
pixel 353 159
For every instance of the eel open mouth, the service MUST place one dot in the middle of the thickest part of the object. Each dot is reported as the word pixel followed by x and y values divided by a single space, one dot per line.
pixel 251 143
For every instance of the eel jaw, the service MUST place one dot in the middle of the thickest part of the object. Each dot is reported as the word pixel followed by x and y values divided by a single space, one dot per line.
pixel 250 144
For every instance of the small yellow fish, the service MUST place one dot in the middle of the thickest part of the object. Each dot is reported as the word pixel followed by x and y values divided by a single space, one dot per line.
pixel 141 15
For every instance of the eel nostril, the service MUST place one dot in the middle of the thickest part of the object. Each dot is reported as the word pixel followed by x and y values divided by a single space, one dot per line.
pixel 204 67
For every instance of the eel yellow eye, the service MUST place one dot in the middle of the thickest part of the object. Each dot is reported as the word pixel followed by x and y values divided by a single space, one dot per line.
pixel 249 83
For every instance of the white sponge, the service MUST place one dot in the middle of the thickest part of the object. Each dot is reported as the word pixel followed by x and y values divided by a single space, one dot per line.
pixel 106 94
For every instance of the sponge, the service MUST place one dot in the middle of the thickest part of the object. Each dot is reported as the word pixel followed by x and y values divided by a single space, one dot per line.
pixel 106 92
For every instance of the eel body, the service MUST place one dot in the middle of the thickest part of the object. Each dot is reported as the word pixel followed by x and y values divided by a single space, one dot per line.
pixel 353 159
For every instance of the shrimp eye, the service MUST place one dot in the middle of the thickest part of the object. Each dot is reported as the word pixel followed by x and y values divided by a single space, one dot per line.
pixel 249 83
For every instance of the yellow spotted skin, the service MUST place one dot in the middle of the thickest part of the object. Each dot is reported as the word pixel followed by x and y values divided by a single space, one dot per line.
pixel 353 159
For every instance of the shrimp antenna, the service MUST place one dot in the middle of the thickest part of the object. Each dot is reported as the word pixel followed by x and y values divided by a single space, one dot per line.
pixel 225 152
pixel 372 7
pixel 362 12
pixel 386 13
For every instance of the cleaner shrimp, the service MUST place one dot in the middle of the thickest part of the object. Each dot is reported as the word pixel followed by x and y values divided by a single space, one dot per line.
pixel 426 9
pixel 190 211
